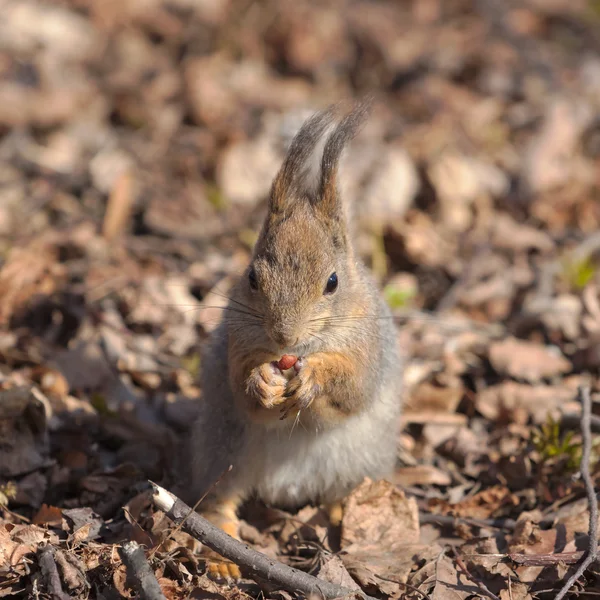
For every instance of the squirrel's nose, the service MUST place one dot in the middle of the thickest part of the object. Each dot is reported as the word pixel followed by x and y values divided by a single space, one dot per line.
pixel 284 336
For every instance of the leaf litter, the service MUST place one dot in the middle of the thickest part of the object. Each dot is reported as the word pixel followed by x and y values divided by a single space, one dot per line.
pixel 133 175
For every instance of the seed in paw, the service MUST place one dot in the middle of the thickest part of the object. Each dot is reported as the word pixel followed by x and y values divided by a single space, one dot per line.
pixel 287 361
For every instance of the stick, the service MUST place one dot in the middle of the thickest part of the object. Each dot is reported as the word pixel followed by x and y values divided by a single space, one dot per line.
pixel 451 520
pixel 592 551
pixel 50 573
pixel 534 560
pixel 256 563
pixel 547 560
pixel 133 557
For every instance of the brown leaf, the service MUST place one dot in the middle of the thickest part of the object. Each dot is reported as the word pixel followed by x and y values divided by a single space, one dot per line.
pixel 517 402
pixel 28 272
pixel 427 397
pixel 379 570
pixel 48 515
pixel 72 575
pixel 421 475
pixel 379 513
pixel 527 360
pixel 82 523
pixel 449 585
pixel 516 591
pixel 25 444
pixel 334 571
pixel 479 506
pixel 119 580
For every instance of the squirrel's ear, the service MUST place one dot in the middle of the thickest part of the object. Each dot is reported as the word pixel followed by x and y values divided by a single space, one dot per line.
pixel 291 179
pixel 328 200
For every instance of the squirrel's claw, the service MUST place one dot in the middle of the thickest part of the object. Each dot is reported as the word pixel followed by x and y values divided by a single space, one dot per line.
pixel 301 389
pixel 266 385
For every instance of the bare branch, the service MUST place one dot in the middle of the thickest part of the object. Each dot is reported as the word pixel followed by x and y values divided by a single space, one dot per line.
pixel 254 562
pixel 134 558
pixel 586 432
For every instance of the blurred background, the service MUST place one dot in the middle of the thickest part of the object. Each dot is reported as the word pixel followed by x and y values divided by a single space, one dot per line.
pixel 138 141
pixel 165 121
pixel 139 138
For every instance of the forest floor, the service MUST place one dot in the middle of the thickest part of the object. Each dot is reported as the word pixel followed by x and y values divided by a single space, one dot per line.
pixel 138 141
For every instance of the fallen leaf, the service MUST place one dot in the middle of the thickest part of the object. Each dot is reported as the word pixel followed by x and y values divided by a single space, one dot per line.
pixel 378 513
pixel 482 505
pixel 334 571
pixel 82 523
pixel 48 515
pixel 527 360
pixel 449 584
pixel 421 475
pixel 431 398
pixel 518 402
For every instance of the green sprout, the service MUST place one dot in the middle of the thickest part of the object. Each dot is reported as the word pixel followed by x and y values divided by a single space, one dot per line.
pixel 248 237
pixel 99 402
pixel 397 297
pixel 192 364
pixel 8 492
pixel 578 273
pixel 216 197
pixel 551 445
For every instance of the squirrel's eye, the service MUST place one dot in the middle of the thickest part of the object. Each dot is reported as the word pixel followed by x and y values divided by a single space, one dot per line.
pixel 252 279
pixel 332 284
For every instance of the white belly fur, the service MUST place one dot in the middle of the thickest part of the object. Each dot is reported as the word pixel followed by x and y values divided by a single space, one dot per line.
pixel 291 470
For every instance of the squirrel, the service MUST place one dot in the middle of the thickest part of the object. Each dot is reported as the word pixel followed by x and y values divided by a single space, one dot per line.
pixel 313 432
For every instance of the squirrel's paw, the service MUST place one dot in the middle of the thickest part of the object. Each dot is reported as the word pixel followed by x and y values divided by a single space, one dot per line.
pixel 266 385
pixel 302 389
pixel 223 571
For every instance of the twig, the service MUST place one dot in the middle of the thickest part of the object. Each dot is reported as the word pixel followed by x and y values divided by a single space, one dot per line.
pixel 118 208
pixel 546 560
pixel 533 560
pixel 444 520
pixel 193 509
pixel 134 558
pixel 49 573
pixel 570 421
pixel 592 551
pixel 409 587
pixel 254 562
pixel 482 587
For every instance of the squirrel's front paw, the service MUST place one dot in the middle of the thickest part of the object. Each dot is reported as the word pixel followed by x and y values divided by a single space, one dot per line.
pixel 302 389
pixel 266 385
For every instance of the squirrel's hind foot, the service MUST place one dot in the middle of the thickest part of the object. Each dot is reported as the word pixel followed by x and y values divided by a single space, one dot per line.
pixel 222 571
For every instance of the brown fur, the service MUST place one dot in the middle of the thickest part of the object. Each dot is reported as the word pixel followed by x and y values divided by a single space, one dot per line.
pixel 311 437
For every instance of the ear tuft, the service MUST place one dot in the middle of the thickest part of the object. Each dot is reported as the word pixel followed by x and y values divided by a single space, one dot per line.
pixel 289 180
pixel 345 131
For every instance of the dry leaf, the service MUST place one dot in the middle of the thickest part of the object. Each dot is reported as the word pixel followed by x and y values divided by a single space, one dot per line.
pixel 527 360
pixel 377 513
pixel 48 515
pixel 482 505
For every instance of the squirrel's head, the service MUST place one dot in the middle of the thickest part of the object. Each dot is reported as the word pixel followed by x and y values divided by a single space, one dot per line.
pixel 303 272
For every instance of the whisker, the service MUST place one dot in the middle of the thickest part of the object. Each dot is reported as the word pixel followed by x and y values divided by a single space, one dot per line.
pixel 414 316
pixel 318 337
pixel 223 295
pixel 354 317
pixel 296 421
pixel 240 328
pixel 372 334
pixel 228 308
